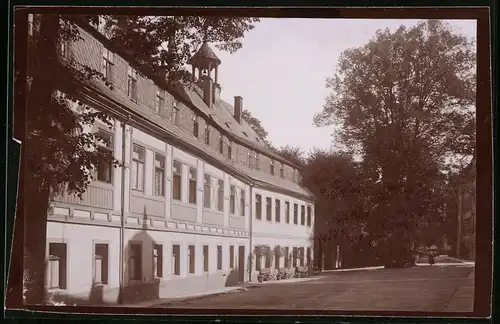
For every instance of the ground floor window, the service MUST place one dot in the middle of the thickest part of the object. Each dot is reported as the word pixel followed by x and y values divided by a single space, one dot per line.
pixel 219 257
pixel 135 261
pixel 101 263
pixel 157 261
pixel 294 256
pixel 191 258
pixel 176 259
pixel 231 256
pixel 205 258
pixel 287 257
pixel 57 265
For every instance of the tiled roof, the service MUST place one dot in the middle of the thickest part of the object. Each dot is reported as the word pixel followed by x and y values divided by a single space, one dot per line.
pixel 221 114
pixel 205 52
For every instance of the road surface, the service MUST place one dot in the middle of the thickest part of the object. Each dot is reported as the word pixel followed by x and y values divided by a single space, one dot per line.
pixel 423 288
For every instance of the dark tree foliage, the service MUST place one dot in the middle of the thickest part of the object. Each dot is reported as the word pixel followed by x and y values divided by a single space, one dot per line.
pixel 293 154
pixel 405 103
pixel 170 41
pixel 58 155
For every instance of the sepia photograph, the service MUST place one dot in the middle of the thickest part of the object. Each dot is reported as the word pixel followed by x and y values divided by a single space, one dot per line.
pixel 248 162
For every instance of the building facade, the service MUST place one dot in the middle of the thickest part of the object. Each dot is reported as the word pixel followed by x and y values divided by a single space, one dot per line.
pixel 196 193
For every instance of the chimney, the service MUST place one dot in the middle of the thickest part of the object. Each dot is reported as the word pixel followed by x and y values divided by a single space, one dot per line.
pixel 207 86
pixel 238 108
pixel 216 93
pixel 161 72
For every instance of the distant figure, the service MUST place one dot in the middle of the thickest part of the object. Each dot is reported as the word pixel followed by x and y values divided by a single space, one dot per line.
pixel 431 259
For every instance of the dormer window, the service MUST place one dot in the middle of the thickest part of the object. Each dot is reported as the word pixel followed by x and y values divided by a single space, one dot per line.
pixel 227 125
pixel 176 115
pixel 282 171
pixel 272 167
pixel 229 150
pixel 160 101
pixel 221 144
pixel 64 48
pixel 108 61
pixel 207 134
pixel 195 127
pixel 132 84
pixel 257 139
pixel 245 133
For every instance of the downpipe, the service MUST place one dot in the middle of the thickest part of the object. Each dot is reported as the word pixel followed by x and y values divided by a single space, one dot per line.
pixel 122 218
pixel 251 236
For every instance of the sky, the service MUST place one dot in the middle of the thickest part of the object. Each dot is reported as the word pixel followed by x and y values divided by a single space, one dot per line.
pixel 281 71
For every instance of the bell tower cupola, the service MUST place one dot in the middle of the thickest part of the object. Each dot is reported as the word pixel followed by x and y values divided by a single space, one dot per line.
pixel 205 64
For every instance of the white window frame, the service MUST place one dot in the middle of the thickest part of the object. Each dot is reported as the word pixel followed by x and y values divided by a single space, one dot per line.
pixel 137 163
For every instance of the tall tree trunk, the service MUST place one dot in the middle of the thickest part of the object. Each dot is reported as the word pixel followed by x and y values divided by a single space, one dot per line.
pixel 35 231
pixel 36 192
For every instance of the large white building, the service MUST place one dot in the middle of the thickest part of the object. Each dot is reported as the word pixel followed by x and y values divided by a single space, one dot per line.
pixel 199 190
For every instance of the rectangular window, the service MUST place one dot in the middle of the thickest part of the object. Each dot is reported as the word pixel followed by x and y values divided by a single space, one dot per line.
pixel 258 206
pixel 160 101
pixel 232 200
pixel 191 258
pixel 159 175
pixel 295 255
pixel 221 144
pixel 219 257
pixel 258 262
pixel 272 167
pixel 138 157
pixel 207 190
pixel 250 160
pixel 176 180
pixel 229 150
pixel 287 212
pixel 257 161
pixel 132 84
pixel 205 258
pixel 104 169
pixel 176 259
pixel 309 216
pixel 287 257
pixel 277 210
pixel 30 24
pixel 176 118
pixel 282 171
pixel 231 256
pixel 63 48
pixel 157 261
pixel 195 127
pixel 242 203
pixel 135 261
pixel 101 264
pixel 295 214
pixel 57 265
pixel 207 135
pixel 269 209
pixel 220 195
pixel 193 173
pixel 302 215
pixel 108 61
